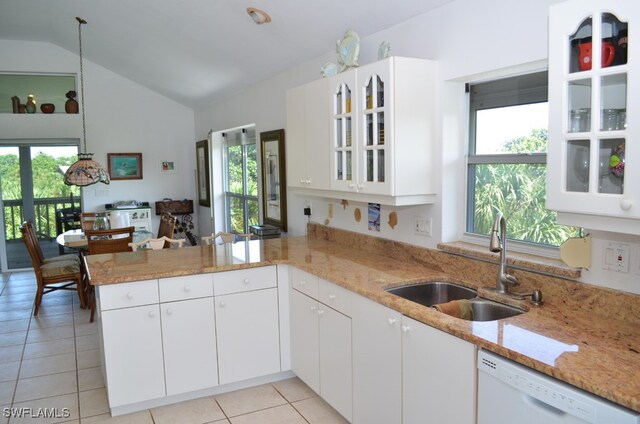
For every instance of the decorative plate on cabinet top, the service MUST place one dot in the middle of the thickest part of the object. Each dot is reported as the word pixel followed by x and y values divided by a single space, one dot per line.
pixel 383 50
pixel 348 49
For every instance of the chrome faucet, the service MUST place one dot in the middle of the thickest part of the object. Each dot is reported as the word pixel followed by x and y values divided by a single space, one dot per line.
pixel 498 244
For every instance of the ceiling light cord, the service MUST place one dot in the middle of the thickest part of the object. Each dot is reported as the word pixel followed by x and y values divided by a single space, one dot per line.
pixel 84 125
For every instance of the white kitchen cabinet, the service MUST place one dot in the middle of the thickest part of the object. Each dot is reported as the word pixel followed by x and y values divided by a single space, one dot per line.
pixel 305 339
pixel 593 156
pixel 377 364
pixel 308 136
pixel 133 358
pixel 439 376
pixel 248 337
pixel 321 344
pixel 188 335
pixel 383 130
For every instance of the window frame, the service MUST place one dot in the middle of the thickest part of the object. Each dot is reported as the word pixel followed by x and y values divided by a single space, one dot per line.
pixel 530 94
pixel 244 139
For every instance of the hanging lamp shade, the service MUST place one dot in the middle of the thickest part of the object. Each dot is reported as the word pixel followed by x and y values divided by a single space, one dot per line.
pixel 85 171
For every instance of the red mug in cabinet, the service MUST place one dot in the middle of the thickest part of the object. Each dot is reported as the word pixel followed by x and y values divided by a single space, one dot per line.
pixel 584 53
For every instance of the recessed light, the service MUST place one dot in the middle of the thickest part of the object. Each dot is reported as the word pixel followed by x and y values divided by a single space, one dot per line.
pixel 259 16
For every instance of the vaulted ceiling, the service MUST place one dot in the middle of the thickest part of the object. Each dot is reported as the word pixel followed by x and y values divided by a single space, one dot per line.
pixel 194 51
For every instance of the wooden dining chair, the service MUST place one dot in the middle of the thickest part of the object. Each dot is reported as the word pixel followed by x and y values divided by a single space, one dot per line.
pixel 109 241
pixel 63 274
pixel 106 241
pixel 157 243
pixel 167 225
pixel 225 237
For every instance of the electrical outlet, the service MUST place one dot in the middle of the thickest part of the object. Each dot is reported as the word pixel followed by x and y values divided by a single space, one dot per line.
pixel 330 211
pixel 423 226
pixel 102 192
pixel 616 257
pixel 638 260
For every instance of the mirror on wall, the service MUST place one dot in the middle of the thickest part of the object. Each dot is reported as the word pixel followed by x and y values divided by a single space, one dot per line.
pixel 274 185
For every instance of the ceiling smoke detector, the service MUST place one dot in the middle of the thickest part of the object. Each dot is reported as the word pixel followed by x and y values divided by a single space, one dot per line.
pixel 259 16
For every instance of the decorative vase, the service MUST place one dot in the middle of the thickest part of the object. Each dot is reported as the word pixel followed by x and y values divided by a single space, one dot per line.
pixel 15 103
pixel 71 105
pixel 30 106
pixel 47 107
pixel 22 108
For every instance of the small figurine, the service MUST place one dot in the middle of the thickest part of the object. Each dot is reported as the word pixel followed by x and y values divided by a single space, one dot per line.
pixel 383 50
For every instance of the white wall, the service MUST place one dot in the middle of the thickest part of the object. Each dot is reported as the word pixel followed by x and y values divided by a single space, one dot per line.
pixel 121 116
pixel 471 40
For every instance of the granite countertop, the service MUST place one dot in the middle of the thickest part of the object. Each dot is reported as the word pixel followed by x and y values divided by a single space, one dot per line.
pixel 574 336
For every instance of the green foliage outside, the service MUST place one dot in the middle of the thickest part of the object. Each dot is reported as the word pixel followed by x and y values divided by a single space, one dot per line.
pixel 519 191
pixel 47 184
pixel 235 181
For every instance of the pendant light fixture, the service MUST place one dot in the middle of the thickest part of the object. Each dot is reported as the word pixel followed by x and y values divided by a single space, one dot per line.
pixel 85 171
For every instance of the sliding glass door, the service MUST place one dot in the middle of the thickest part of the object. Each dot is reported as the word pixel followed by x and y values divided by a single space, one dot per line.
pixel 32 188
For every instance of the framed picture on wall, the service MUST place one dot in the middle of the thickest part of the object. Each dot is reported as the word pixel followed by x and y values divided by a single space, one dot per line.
pixel 125 166
pixel 168 166
pixel 202 171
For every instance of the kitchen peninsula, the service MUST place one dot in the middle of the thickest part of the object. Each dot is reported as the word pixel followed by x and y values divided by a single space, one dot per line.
pixel 583 335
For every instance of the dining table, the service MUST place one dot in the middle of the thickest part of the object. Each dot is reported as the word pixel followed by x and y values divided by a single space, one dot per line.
pixel 75 239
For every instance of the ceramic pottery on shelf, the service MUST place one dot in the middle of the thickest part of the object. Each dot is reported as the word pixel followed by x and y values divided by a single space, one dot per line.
pixel 15 103
pixel 47 107
pixel 71 105
pixel 30 106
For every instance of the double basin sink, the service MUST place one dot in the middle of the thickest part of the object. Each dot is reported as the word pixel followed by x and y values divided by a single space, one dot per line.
pixel 438 292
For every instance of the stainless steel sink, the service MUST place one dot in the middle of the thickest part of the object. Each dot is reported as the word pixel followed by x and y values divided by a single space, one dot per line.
pixel 488 310
pixel 435 292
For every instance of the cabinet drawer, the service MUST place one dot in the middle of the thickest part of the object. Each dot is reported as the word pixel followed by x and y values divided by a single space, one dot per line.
pixel 304 282
pixel 185 287
pixel 244 280
pixel 126 295
pixel 335 296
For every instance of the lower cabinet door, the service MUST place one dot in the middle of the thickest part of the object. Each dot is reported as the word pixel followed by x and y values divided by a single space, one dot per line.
pixel 439 376
pixel 305 339
pixel 133 354
pixel 335 360
pixel 188 333
pixel 248 337
pixel 377 365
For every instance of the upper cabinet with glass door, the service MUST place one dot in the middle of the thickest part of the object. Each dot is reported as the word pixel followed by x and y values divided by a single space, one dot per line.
pixel 594 152
pixel 382 139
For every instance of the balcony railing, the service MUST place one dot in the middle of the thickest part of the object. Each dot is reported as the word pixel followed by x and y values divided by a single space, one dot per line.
pixel 45 219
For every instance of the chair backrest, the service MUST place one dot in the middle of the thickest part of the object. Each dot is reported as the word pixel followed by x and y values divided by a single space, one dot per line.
pixel 167 225
pixel 86 220
pixel 225 237
pixel 33 247
pixel 109 241
pixel 157 243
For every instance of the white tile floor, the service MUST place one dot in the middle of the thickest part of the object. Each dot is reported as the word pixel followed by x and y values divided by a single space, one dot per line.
pixel 50 363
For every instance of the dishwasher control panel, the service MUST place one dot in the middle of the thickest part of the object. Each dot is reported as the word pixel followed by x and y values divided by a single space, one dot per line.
pixel 552 393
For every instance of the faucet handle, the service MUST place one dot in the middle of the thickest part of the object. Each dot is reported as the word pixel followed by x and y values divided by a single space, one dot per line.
pixel 510 279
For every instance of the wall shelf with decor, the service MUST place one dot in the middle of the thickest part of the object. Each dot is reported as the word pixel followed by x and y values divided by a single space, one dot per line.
pixel 56 92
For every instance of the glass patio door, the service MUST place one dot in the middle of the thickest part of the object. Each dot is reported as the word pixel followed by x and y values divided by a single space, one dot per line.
pixel 32 188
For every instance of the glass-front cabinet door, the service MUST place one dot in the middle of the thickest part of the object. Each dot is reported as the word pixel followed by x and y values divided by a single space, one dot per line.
pixel 343 121
pixel 594 151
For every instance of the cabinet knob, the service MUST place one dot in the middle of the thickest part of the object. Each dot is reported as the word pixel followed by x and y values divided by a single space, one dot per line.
pixel 169 311
pixel 130 295
pixel 625 204
pixel 313 308
pixel 352 185
pixel 246 281
pixel 152 314
pixel 222 304
pixel 406 328
pixel 360 186
pixel 332 297
pixel 320 312
pixel 187 288
pixel 308 182
pixel 302 282
pixel 391 321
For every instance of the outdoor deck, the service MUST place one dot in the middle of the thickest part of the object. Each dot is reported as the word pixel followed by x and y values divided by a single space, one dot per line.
pixel 18 257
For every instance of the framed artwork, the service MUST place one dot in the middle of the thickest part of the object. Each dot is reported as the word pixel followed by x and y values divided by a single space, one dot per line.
pixel 274 185
pixel 202 171
pixel 125 166
pixel 168 167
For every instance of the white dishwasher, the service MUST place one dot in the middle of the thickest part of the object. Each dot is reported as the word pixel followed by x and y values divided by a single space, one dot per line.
pixel 510 393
